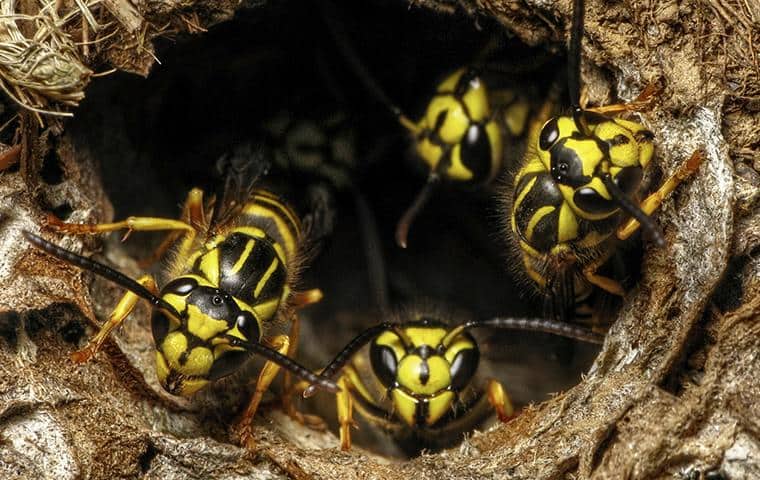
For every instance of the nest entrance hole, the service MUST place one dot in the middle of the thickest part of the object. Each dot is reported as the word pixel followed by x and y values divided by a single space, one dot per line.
pixel 157 137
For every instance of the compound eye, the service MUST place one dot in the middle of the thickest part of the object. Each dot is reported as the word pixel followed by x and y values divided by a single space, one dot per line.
pixel 549 134
pixel 159 325
pixel 247 325
pixel 384 364
pixel 463 368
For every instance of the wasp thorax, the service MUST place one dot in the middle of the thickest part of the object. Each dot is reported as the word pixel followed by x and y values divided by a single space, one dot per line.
pixel 195 349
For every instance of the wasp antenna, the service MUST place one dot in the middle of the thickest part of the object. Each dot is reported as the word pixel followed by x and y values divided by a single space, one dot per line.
pixel 453 333
pixel 348 351
pixel 629 207
pixel 99 269
pixel 574 54
pixel 402 229
pixel 539 325
pixel 339 35
pixel 318 381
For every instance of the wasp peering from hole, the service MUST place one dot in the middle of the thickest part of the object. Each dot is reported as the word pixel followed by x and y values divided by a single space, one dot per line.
pixel 419 376
pixel 579 180
pixel 236 258
pixel 460 137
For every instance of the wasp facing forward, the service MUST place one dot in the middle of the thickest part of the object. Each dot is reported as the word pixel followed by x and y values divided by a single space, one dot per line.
pixel 461 136
pixel 581 175
pixel 235 261
pixel 419 379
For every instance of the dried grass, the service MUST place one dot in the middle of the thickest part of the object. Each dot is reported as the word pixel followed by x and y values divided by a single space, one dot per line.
pixel 42 71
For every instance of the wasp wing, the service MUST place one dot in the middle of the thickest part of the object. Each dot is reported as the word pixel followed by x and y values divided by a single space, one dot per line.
pixel 239 171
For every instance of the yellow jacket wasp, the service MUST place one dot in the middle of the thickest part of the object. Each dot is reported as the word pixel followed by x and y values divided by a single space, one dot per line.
pixel 461 135
pixel 580 176
pixel 235 262
pixel 421 379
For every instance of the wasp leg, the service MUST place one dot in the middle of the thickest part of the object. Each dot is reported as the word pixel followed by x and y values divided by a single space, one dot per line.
pixel 642 102
pixel 9 157
pixel 500 401
pixel 605 283
pixel 192 214
pixel 309 297
pixel 345 407
pixel 130 224
pixel 120 312
pixel 653 201
pixel 312 421
pixel 281 343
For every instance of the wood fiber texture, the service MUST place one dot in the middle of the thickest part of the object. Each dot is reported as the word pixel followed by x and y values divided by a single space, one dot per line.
pixel 673 393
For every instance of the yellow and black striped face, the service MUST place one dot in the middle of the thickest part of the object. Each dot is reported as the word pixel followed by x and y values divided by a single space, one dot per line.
pixel 424 377
pixel 459 139
pixel 559 196
pixel 193 350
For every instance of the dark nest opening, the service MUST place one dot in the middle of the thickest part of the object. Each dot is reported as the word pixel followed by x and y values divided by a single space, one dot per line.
pixel 672 392
pixel 155 138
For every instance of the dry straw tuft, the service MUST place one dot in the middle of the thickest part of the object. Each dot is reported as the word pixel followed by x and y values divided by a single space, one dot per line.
pixel 40 68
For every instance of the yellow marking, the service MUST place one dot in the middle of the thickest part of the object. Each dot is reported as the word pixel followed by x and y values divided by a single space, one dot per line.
pixel 438 406
pixel 646 151
pixel 567 224
pixel 449 83
pixel 203 326
pixel 192 258
pixel 457 171
pixel 425 335
pixel 456 121
pixel 162 369
pixel 537 216
pixel 597 184
pixel 532 272
pixel 265 311
pixel 476 99
pixel 265 278
pixel 588 151
pixel 566 126
pixel 410 367
pixel 497 148
pixel 221 346
pixel 281 253
pixel 243 257
pixel 529 250
pixel 429 152
pixel 209 266
pixel 285 210
pixel 358 385
pixel 390 339
pixel 460 344
pixel 521 195
pixel 534 165
pixel 289 236
pixel 250 231
pixel 499 400
pixel 174 345
pixel 192 385
pixel 405 406
pixel 516 117
pixel 345 411
pixel 197 363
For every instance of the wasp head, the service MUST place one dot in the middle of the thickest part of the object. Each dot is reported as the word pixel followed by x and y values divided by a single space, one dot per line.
pixel 194 349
